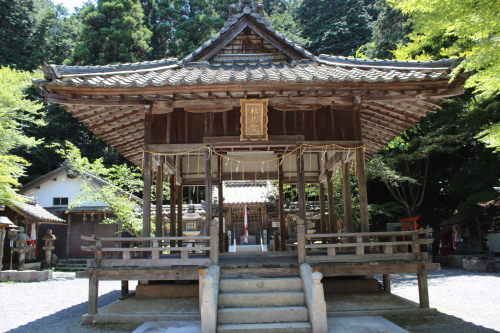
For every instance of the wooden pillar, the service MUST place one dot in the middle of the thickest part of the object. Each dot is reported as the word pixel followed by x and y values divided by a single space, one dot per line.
pixel 322 209
pixel 387 282
pixel 179 198
pixel 221 207
pixel 363 192
pixel 146 212
pixel 68 239
pixel 423 291
pixel 301 188
pixel 208 192
pixel 2 237
pixel 172 209
pixel 332 225
pixel 159 200
pixel 93 293
pixel 124 288
pixel 346 193
pixel 281 202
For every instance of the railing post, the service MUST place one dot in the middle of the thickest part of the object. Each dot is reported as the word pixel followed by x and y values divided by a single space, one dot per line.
pixel 214 242
pixel 360 249
pixel 415 248
pixel 301 241
pixel 155 254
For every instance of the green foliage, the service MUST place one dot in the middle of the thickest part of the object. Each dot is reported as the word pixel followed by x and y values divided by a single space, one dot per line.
pixel 15 112
pixel 286 25
pixel 338 196
pixel 60 127
pixel 389 30
pixel 334 26
pixel 112 32
pixel 439 165
pixel 123 180
pixel 491 137
pixel 34 31
pixel 457 28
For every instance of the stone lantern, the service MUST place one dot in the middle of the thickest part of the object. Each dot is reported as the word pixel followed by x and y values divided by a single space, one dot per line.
pixel 191 219
pixel 21 247
pixel 49 239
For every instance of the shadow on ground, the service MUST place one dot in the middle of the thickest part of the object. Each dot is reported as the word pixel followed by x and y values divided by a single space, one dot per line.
pixel 441 323
pixel 69 320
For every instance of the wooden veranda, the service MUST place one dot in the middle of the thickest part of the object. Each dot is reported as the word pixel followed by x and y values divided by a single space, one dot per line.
pixel 251 105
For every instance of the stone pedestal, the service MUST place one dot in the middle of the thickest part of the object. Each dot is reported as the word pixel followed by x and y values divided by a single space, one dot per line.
pixel 21 248
pixel 478 265
pixel 49 239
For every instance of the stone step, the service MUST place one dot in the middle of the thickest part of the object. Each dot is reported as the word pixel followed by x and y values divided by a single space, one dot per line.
pixel 260 285
pixel 292 327
pixel 263 315
pixel 259 300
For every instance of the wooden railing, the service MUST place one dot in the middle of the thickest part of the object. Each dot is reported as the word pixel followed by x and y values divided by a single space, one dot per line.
pixel 147 251
pixel 360 247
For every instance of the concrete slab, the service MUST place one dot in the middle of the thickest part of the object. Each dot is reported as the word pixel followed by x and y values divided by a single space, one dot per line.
pixel 372 324
pixel 154 305
pixel 169 327
pixel 370 300
pixel 25 276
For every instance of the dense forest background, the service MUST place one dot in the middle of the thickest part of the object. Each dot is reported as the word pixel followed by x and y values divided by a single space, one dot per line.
pixel 445 163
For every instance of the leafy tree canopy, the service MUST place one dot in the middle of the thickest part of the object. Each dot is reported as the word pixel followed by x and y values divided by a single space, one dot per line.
pixel 34 31
pixel 124 182
pixel 15 112
pixel 470 29
pixel 335 26
pixel 112 32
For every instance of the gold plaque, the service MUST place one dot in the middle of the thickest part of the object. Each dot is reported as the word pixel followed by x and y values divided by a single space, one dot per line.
pixel 253 119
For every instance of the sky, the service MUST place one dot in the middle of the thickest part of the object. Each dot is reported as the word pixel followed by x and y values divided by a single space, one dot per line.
pixel 70 4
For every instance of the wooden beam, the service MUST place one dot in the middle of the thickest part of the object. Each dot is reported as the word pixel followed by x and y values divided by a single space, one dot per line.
pixel 375 128
pixel 383 117
pixel 146 215
pixel 159 201
pixel 179 197
pixel 322 208
pixel 173 216
pixel 363 192
pixel 303 107
pixel 221 205
pixel 114 121
pixel 281 203
pixel 208 192
pixel 208 108
pixel 332 225
pixel 55 98
pixel 423 290
pixel 399 129
pixel 391 110
pixel 346 193
pixel 121 128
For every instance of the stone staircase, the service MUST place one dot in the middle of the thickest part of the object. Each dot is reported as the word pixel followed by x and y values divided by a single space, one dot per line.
pixel 262 305
pixel 70 264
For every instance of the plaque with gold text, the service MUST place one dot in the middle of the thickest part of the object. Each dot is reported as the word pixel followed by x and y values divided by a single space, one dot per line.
pixel 253 120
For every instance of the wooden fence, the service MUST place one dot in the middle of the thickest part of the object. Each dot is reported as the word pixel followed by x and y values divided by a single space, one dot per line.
pixel 155 251
pixel 360 247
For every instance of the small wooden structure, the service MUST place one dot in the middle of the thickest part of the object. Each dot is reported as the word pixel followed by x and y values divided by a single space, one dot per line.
pixel 250 104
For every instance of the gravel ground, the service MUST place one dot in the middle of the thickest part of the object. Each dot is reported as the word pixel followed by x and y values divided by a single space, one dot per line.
pixel 54 306
pixel 57 306
pixel 463 296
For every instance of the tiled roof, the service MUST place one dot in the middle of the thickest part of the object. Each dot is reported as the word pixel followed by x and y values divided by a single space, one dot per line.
pixel 244 192
pixel 248 68
pixel 233 19
pixel 31 209
pixel 220 73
